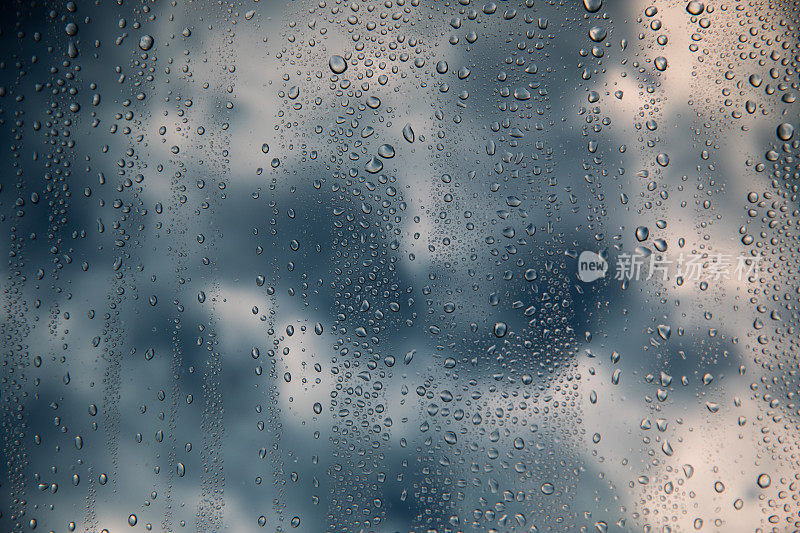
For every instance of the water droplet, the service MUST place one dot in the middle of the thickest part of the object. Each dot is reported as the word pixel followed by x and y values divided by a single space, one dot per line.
pixel 146 42
pixel 386 151
pixel 374 165
pixel 408 133
pixel 785 131
pixel 597 33
pixel 694 7
pixel 592 6
pixel 522 94
pixel 337 64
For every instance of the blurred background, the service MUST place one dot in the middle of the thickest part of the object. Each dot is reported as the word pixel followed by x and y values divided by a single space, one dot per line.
pixel 314 266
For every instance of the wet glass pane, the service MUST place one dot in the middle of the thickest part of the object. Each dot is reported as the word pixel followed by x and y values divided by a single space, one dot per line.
pixel 399 265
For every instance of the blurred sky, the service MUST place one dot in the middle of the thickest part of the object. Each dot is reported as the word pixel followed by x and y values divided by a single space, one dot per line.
pixel 246 291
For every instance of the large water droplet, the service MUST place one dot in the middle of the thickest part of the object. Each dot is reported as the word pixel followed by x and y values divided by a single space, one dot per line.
pixel 597 33
pixel 386 151
pixel 592 5
pixel 337 64
pixel 522 94
pixel 374 165
pixel 146 42
pixel 694 7
pixel 785 131
pixel 408 133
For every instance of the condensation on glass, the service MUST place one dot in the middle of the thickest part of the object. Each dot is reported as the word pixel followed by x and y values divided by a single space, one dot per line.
pixel 399 265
